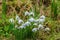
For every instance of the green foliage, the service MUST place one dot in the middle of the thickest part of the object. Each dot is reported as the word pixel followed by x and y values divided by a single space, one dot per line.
pixel 22 34
pixel 7 28
pixel 54 9
pixel 4 9
pixel 37 12
pixel 11 26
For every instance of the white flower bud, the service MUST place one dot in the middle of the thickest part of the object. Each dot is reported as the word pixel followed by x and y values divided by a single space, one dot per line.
pixel 40 27
pixel 20 21
pixel 42 17
pixel 31 20
pixel 27 13
pixel 17 17
pixel 26 24
pixel 21 27
pixel 11 20
pixel 47 29
pixel 34 29
pixel 31 13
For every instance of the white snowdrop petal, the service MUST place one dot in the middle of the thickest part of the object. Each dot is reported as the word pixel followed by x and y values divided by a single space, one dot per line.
pixel 27 24
pixel 22 27
pixel 41 20
pixel 47 29
pixel 42 17
pixel 40 27
pixel 32 13
pixel 31 20
pixel 20 21
pixel 17 17
pixel 11 20
pixel 34 29
pixel 27 13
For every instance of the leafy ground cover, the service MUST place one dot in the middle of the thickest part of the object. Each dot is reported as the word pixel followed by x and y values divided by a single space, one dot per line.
pixel 30 20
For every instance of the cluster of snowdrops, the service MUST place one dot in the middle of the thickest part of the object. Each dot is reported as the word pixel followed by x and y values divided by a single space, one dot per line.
pixel 31 21
pixel 27 29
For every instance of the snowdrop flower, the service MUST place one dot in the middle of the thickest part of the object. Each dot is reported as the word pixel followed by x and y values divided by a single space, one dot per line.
pixel 20 21
pixel 47 29
pixel 21 27
pixel 40 27
pixel 31 20
pixel 34 29
pixel 31 13
pixel 26 24
pixel 11 20
pixel 41 20
pixel 42 17
pixel 27 13
pixel 17 17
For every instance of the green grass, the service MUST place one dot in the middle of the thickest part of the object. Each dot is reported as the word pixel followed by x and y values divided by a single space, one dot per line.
pixel 54 12
pixel 4 8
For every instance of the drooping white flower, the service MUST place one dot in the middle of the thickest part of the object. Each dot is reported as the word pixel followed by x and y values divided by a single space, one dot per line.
pixel 31 20
pixel 34 29
pixel 11 20
pixel 42 17
pixel 31 13
pixel 41 20
pixel 21 27
pixel 40 26
pixel 17 17
pixel 27 13
pixel 20 21
pixel 47 29
pixel 26 24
